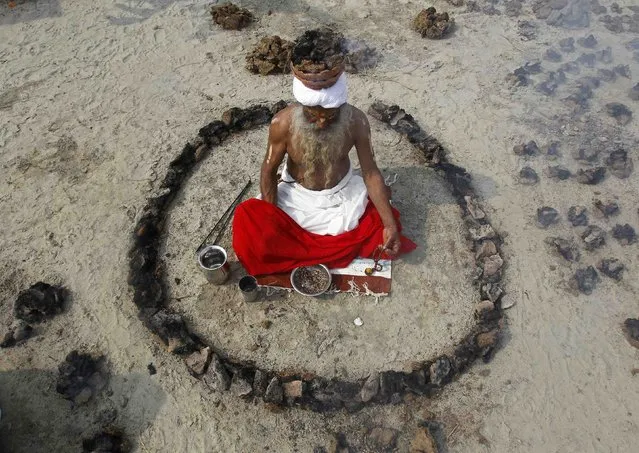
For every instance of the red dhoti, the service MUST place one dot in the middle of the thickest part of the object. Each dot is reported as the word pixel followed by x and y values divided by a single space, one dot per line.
pixel 266 240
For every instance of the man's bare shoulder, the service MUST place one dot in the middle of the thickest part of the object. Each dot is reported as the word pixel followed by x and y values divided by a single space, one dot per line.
pixel 281 122
pixel 359 120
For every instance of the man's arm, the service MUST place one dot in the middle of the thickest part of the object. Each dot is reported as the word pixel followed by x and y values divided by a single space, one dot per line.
pixel 275 152
pixel 377 190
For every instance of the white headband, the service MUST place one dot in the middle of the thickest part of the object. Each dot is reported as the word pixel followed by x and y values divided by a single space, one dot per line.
pixel 329 98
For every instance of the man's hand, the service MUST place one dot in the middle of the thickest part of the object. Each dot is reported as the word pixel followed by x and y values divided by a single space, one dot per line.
pixel 391 240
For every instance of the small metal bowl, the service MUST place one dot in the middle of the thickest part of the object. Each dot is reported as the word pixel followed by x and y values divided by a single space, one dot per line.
pixel 317 266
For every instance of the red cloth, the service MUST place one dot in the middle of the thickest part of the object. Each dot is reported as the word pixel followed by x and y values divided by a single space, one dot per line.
pixel 267 241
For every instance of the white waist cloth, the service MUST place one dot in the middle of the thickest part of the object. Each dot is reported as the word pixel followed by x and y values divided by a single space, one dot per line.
pixel 328 212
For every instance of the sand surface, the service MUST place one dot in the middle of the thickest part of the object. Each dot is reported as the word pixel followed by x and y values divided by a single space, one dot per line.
pixel 97 97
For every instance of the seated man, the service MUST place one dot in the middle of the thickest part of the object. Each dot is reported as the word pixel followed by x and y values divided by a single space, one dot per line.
pixel 320 212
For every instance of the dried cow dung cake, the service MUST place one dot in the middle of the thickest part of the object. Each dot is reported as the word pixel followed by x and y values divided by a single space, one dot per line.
pixel 39 302
pixel 270 56
pixel 230 16
pixel 359 56
pixel 318 50
pixel 431 24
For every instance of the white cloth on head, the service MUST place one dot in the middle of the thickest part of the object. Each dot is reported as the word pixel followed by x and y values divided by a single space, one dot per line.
pixel 327 212
pixel 329 98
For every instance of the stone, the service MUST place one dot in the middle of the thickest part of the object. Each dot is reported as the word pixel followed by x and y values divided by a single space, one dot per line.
pixel 547 216
pixel 631 331
pixel 558 172
pixel 586 154
pixel 552 55
pixel 512 8
pixel 260 382
pixel 198 361
pixel 240 386
pixel 619 164
pixel 39 302
pixel 492 265
pixel 440 371
pixel 528 176
pixel 473 208
pixel 423 442
pixel 151 369
pixel 482 232
pixel 625 234
pixel 485 311
pixel 577 216
pixel 615 8
pixel 274 393
pixel 634 93
pixel 608 209
pixel 491 291
pixel 293 389
pixel 611 267
pixel 588 59
pixel 217 377
pixel 594 237
pixel 588 42
pixel 623 70
pixel 591 176
pixel 570 67
pixel 620 112
pixel 527 30
pixel 370 388
pixel 567 249
pixel 527 149
pixel 607 75
pixel 605 55
pixel 382 439
pixel 567 44
pixel 507 302
pixel 485 249
pixel 586 279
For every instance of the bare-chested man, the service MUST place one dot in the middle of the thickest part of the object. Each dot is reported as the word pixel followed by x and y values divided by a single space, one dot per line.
pixel 320 212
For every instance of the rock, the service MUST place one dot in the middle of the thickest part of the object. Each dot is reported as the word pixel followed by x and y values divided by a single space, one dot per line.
pixel 528 149
pixel 491 291
pixel 591 176
pixel 567 44
pixel 274 393
pixel 260 382
pixel 507 302
pixel 485 249
pixel 240 386
pixel 619 112
pixel 41 301
pixel 611 267
pixel 615 8
pixel 634 93
pixel 293 389
pixel 607 75
pixel 547 216
pixel 382 439
pixel 198 361
pixel 423 442
pixel 80 377
pixel 217 377
pixel 585 279
pixel 492 265
pixel 625 234
pixel 528 176
pixel 612 23
pixel 633 44
pixel 552 55
pixel 370 388
pixel 473 208
pixel 594 237
pixel 586 154
pixel 587 59
pixel 558 172
pixel 151 368
pixel 620 164
pixel 623 70
pixel 546 87
pixel 567 249
pixel 588 41
pixel 570 67
pixel 231 17
pixel 577 216
pixel 485 311
pixel 482 232
pixel 271 56
pixel 607 209
pixel 526 29
pixel 512 8
pixel 440 371
pixel 631 330
pixel 171 329
pixel 605 56
pixel 431 24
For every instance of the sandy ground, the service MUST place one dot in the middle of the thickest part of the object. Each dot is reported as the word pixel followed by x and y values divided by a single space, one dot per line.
pixel 96 98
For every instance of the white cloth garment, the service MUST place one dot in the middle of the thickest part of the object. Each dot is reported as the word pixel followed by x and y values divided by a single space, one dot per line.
pixel 326 212
pixel 329 98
